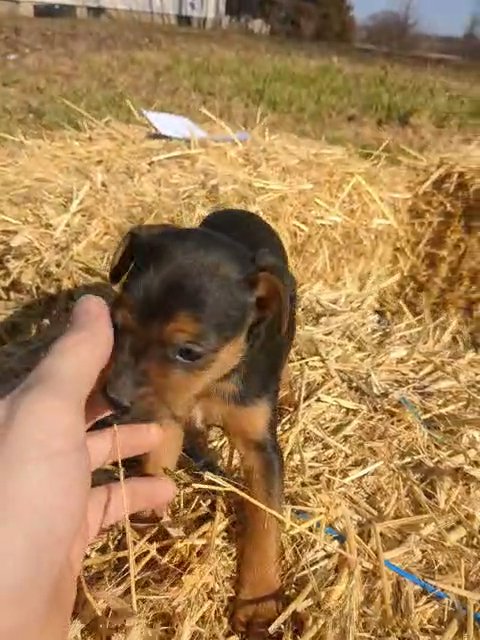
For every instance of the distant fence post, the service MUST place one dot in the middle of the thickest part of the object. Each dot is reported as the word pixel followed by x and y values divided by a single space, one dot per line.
pixel 82 11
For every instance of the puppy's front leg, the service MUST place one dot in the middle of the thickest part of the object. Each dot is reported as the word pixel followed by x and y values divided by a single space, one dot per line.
pixel 165 456
pixel 252 430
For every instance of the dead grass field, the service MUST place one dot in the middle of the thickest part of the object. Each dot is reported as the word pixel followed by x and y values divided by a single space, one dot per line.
pixel 382 441
pixel 106 68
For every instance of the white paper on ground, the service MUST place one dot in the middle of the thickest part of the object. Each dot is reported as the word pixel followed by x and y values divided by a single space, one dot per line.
pixel 177 127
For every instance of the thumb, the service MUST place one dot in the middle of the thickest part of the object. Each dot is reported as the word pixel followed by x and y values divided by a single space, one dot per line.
pixel 74 362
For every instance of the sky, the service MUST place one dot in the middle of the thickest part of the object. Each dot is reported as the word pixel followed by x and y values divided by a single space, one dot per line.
pixel 445 17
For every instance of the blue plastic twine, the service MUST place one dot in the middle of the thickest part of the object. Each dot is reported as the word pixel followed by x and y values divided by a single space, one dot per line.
pixel 406 575
pixel 339 537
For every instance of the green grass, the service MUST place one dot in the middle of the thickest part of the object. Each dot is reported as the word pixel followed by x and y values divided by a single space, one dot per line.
pixel 101 67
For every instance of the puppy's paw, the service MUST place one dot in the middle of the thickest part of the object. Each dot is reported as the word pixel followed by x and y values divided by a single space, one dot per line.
pixel 252 617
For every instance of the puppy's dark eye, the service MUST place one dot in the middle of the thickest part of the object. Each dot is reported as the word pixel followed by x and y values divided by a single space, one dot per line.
pixel 188 353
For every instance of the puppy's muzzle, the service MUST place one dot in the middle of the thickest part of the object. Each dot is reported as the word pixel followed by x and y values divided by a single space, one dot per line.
pixel 119 394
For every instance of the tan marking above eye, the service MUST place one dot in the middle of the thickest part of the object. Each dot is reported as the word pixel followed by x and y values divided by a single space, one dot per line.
pixel 183 327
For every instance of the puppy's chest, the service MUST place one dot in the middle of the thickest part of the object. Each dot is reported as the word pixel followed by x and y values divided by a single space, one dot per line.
pixel 213 408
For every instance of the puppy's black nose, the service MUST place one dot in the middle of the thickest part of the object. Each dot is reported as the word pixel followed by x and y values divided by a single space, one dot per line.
pixel 119 403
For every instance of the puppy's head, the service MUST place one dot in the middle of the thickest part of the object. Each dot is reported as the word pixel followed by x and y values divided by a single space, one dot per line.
pixel 187 300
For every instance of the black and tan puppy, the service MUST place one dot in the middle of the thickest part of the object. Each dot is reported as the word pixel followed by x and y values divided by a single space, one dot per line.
pixel 204 323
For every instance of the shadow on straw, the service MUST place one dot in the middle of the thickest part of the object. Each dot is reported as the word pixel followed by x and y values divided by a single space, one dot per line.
pixel 29 330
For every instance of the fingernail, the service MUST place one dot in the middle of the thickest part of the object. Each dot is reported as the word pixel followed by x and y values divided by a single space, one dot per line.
pixel 87 309
pixel 167 490
pixel 155 431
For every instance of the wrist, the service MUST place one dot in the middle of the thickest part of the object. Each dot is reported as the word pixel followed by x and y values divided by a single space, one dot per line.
pixel 34 614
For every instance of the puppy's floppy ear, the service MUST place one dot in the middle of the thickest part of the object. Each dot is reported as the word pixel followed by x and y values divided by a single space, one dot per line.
pixel 129 246
pixel 271 295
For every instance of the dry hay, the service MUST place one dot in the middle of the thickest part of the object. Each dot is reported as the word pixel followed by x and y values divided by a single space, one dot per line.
pixel 401 483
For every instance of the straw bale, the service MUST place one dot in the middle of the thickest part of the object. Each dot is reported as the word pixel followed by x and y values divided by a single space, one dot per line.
pixel 439 251
pixel 382 439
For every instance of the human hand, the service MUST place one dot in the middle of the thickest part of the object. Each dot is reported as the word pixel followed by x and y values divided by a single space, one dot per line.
pixel 48 510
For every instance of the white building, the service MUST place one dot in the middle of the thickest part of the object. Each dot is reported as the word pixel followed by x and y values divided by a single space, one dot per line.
pixel 201 13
